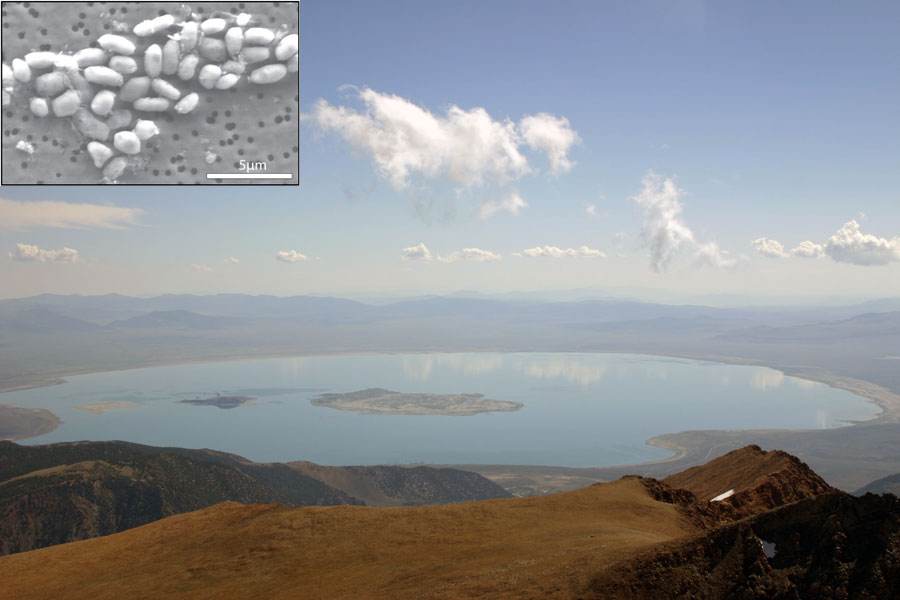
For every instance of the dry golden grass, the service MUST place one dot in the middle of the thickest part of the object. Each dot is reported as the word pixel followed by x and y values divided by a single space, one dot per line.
pixel 542 547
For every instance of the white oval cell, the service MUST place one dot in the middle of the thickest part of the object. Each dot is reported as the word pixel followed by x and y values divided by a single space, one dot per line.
pixel 104 76
pixel 189 36
pixel 170 56
pixel 66 62
pixel 253 54
pixel 127 142
pixel 233 66
pixel 213 50
pixel 287 47
pixel 21 70
pixel 103 102
pixel 234 40
pixel 151 104
pixel 242 20
pixel 188 67
pixel 134 88
pixel 209 75
pixel 153 60
pixel 154 26
pixel 165 89
pixel 66 103
pixel 40 60
pixel 9 80
pixel 259 36
pixel 99 153
pixel 213 26
pixel 228 80
pixel 117 44
pixel 50 84
pixel 119 118
pixel 114 169
pixel 293 63
pixel 187 104
pixel 39 107
pixel 90 57
pixel 123 64
pixel 145 129
pixel 268 74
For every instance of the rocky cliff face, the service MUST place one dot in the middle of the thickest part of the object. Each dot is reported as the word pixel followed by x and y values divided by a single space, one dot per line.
pixel 761 481
pixel 831 546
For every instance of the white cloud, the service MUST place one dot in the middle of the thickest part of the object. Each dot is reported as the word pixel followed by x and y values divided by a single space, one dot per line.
pixel 849 244
pixel 465 147
pixel 29 253
pixel 710 255
pixel 556 252
pixel 808 249
pixel 15 215
pixel 290 256
pixel 419 252
pixel 665 230
pixel 231 261
pixel 511 203
pixel 470 254
pixel 769 248
pixel 201 268
pixel 552 135
pixel 591 210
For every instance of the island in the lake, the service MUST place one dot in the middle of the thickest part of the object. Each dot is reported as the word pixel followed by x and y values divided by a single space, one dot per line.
pixel 386 402
pixel 221 401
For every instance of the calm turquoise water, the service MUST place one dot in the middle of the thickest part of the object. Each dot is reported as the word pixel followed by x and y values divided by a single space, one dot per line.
pixel 580 409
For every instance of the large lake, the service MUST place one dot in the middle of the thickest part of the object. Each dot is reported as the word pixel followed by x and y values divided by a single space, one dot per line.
pixel 579 409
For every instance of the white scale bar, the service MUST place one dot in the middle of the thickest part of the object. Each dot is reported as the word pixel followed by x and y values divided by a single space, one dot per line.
pixel 249 176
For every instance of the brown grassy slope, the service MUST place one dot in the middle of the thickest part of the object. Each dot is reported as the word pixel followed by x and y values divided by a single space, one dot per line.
pixel 761 480
pixel 507 548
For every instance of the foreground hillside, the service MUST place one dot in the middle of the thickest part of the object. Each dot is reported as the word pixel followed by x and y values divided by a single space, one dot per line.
pixel 74 491
pixel 632 538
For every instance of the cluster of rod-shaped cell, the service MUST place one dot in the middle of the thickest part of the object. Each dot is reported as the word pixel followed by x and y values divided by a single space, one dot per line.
pixel 218 51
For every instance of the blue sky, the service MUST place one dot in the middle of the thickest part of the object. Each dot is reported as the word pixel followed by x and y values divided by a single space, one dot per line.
pixel 702 126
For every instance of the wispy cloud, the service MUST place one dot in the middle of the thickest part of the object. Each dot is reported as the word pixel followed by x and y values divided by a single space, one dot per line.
pixel 17 215
pixel 769 248
pixel 557 252
pixel 808 249
pixel 201 268
pixel 470 254
pixel 231 261
pixel 552 135
pixel 511 203
pixel 290 256
pixel 29 253
pixel 418 252
pixel 665 230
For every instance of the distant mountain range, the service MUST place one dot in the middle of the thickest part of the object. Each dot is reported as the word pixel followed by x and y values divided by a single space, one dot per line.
pixel 71 491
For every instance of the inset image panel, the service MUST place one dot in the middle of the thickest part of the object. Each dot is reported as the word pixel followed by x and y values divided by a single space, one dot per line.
pixel 150 93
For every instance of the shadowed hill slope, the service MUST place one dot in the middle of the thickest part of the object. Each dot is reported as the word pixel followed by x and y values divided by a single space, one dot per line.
pixel 570 545
pixel 73 491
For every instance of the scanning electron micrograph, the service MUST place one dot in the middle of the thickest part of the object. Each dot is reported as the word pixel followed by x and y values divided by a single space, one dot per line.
pixel 151 93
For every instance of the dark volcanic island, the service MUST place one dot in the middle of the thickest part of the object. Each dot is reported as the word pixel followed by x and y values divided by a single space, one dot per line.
pixel 221 401
pixel 386 402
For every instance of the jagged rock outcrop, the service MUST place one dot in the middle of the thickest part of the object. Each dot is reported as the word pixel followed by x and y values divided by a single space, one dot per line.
pixel 831 546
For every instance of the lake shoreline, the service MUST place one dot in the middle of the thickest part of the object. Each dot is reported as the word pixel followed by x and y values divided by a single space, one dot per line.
pixel 686 449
